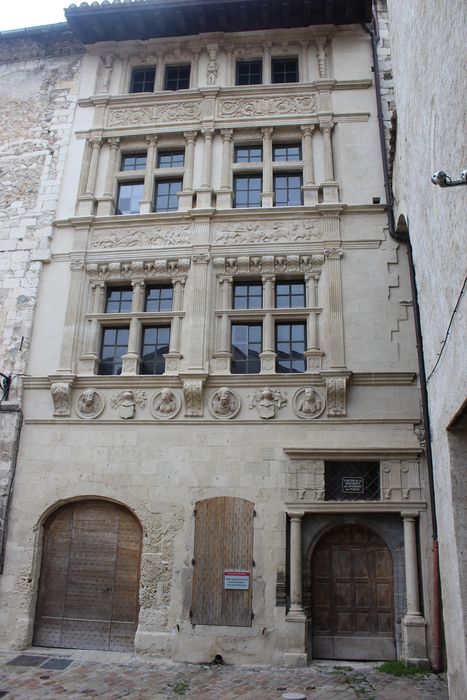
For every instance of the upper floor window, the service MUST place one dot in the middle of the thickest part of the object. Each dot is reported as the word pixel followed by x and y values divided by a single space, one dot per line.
pixel 171 159
pixel 246 347
pixel 114 345
pixel 118 300
pixel 284 70
pixel 249 72
pixel 247 190
pixel 290 347
pixel 286 152
pixel 159 298
pixel 290 295
pixel 248 295
pixel 288 190
pixel 156 341
pixel 165 198
pixel 177 78
pixel 142 80
pixel 248 154
pixel 129 197
pixel 133 161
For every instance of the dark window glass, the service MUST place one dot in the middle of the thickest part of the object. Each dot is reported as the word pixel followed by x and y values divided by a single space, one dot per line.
pixel 287 152
pixel 247 190
pixel 249 72
pixel 288 190
pixel 142 80
pixel 114 345
pixel 248 295
pixel 133 161
pixel 159 298
pixel 290 347
pixel 118 300
pixel 129 197
pixel 171 159
pixel 156 341
pixel 177 77
pixel 246 347
pixel 351 481
pixel 284 70
pixel 166 195
pixel 248 154
pixel 290 295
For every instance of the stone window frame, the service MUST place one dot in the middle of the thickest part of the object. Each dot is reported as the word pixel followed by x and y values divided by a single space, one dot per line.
pixel 96 319
pixel 268 316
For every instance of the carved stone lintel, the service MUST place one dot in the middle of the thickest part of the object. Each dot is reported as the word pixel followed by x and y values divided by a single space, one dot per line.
pixel 193 396
pixel 61 395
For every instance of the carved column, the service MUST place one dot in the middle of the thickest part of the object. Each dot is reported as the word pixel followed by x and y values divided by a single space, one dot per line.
pixel 268 354
pixel 194 73
pixel 304 76
pixel 335 310
pixel 87 200
pixel 131 359
pixel 160 70
pixel 146 205
pixel 88 361
pixel 230 65
pixel 321 57
pixel 267 195
pixel 310 188
pixel 296 607
pixel 267 64
pixel 204 195
pixel 185 198
pixel 197 309
pixel 173 357
pixel 96 145
pixel 223 353
pixel 224 195
pixel 313 353
pixel 413 624
pixel 330 188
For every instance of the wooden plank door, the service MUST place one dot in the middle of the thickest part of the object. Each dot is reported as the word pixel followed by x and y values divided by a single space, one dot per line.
pixel 88 591
pixel 223 542
pixel 352 596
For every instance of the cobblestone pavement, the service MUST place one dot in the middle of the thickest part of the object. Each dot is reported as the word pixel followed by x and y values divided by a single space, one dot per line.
pixel 112 676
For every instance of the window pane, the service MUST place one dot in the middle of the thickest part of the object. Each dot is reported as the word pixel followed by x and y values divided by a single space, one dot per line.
pixel 249 72
pixel 177 77
pixel 142 80
pixel 166 195
pixel 159 298
pixel 114 345
pixel 246 347
pixel 171 159
pixel 118 300
pixel 248 296
pixel 134 161
pixel 284 70
pixel 129 197
pixel 248 154
pixel 290 347
pixel 247 190
pixel 156 342
pixel 288 190
pixel 287 152
pixel 290 295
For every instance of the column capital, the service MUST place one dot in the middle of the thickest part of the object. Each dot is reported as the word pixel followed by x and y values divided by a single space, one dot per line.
pixel 326 126
pixel 226 134
pixel 296 515
pixel 333 253
pixel 267 132
pixel 409 515
pixel 208 133
pixel 190 136
pixel 137 283
pixel 307 129
pixel 113 142
pixel 95 141
pixel 151 140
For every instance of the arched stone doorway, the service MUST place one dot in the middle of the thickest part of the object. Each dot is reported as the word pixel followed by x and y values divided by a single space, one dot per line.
pixel 89 582
pixel 352 596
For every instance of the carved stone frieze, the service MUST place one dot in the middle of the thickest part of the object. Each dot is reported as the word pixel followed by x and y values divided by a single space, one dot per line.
pixel 225 403
pixel 89 404
pixel 154 236
pixel 308 403
pixel 168 113
pixel 138 269
pixel 266 106
pixel 165 404
pixel 61 396
pixel 400 481
pixel 193 395
pixel 267 402
pixel 336 390
pixel 305 481
pixel 125 402
pixel 267 264
pixel 275 232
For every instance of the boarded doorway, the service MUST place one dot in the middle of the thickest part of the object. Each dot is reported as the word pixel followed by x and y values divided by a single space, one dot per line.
pixel 89 584
pixel 352 596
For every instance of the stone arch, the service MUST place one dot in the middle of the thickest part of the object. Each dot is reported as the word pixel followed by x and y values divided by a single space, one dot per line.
pixel 88 592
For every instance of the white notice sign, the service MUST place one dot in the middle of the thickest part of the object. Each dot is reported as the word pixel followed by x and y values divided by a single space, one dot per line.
pixel 236 580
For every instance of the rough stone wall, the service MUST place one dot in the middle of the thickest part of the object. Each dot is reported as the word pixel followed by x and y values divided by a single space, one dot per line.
pixel 385 69
pixel 10 425
pixel 428 49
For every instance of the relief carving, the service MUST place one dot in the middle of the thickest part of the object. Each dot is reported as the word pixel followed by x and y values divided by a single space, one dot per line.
pixel 268 401
pixel 308 403
pixel 169 112
pixel 142 238
pixel 90 404
pixel 336 389
pixel 225 403
pixel 268 264
pixel 193 395
pixel 165 404
pixel 277 232
pixel 137 269
pixel 61 395
pixel 126 401
pixel 265 106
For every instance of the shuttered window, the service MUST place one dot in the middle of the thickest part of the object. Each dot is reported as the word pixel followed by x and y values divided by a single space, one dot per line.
pixel 223 546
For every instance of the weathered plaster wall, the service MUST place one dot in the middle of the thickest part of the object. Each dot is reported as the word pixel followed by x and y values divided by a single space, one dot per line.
pixel 429 77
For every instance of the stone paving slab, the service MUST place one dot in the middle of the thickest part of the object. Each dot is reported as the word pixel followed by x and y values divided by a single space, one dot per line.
pixel 113 676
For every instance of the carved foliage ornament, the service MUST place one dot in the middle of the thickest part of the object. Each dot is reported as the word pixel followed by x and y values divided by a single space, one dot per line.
pixel 137 268
pixel 268 264
pixel 225 403
pixel 267 402
pixel 276 232
pixel 61 395
pixel 90 403
pixel 336 388
pixel 193 395
pixel 169 112
pixel 126 401
pixel 263 106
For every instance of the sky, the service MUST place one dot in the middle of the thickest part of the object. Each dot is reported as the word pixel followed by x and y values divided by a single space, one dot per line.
pixel 16 14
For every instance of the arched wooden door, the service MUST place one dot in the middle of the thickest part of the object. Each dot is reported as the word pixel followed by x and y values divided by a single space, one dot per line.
pixel 352 596
pixel 89 583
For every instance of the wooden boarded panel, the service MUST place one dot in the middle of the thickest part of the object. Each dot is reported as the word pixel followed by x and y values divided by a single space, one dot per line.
pixel 355 620
pixel 223 542
pixel 89 586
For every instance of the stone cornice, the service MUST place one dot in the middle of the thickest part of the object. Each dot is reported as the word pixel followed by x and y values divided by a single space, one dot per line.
pixel 353 453
pixel 346 507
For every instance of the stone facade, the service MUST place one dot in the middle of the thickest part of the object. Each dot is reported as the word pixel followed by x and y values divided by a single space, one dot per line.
pixel 161 443
pixel 431 120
